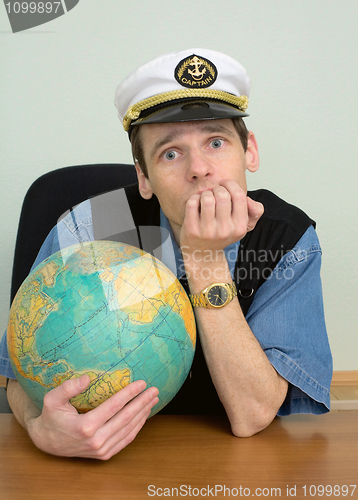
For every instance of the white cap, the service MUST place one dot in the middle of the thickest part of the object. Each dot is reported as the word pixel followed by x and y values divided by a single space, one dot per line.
pixel 159 91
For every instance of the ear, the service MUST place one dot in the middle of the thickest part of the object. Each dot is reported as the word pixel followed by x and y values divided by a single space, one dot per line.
pixel 144 185
pixel 252 153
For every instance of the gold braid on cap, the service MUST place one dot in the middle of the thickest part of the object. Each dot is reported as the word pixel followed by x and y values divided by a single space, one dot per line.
pixel 133 112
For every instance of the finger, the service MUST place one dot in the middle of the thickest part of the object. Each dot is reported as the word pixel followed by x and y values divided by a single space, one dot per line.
pixel 130 436
pixel 207 208
pixel 255 210
pixel 223 205
pixel 112 405
pixel 144 401
pixel 192 211
pixel 60 396
pixel 239 213
pixel 125 435
pixel 115 444
pixel 121 429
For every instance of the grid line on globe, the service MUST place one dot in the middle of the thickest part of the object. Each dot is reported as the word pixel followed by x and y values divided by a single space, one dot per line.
pixel 106 309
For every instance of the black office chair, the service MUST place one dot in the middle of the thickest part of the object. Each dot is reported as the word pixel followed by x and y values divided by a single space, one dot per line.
pixel 50 196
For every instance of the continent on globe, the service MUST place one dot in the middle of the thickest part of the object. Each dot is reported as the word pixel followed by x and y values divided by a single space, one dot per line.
pixel 105 309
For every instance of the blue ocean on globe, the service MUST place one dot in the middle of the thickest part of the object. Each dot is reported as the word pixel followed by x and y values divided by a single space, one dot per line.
pixel 106 309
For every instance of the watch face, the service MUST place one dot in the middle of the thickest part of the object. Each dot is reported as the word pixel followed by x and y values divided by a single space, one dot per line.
pixel 217 296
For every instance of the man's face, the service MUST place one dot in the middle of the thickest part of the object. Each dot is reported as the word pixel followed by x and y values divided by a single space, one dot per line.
pixel 186 158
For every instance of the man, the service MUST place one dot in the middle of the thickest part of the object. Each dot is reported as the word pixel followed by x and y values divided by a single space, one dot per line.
pixel 250 265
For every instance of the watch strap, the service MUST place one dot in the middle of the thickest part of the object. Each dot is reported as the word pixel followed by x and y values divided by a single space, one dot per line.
pixel 199 299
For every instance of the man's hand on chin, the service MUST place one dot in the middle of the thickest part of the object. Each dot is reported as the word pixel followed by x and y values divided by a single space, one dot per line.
pixel 216 218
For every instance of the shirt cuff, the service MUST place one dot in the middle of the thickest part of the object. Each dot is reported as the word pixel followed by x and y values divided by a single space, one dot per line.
pixel 305 394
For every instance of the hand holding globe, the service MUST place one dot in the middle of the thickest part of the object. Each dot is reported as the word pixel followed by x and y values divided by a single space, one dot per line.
pixel 111 313
pixel 101 433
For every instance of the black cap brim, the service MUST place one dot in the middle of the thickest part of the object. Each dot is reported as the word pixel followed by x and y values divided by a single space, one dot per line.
pixel 190 111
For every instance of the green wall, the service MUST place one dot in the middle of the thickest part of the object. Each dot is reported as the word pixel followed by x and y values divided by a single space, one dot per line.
pixel 56 106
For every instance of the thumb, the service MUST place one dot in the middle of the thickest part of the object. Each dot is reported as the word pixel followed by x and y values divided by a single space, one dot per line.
pixel 60 395
pixel 255 210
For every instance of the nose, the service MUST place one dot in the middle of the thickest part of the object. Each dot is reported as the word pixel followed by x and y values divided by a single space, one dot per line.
pixel 199 166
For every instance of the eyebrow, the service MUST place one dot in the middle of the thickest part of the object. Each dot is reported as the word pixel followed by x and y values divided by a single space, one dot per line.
pixel 164 140
pixel 207 129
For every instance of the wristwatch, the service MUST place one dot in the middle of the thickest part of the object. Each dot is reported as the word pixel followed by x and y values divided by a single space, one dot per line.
pixel 214 296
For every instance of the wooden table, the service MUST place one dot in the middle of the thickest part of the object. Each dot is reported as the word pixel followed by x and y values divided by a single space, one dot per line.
pixel 192 457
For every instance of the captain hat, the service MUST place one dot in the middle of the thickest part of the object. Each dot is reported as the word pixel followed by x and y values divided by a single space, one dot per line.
pixel 194 84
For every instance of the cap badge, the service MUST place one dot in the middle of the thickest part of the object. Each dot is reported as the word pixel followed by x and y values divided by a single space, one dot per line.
pixel 195 72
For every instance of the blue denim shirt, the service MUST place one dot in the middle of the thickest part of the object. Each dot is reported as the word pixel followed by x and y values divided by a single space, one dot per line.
pixel 286 316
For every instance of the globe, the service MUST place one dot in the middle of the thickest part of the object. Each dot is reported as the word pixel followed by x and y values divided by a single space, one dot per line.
pixel 105 309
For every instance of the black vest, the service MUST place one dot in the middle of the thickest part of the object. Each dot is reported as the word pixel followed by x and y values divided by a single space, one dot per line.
pixel 275 234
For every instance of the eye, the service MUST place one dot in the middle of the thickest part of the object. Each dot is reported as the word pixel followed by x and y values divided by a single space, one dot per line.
pixel 170 155
pixel 217 143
